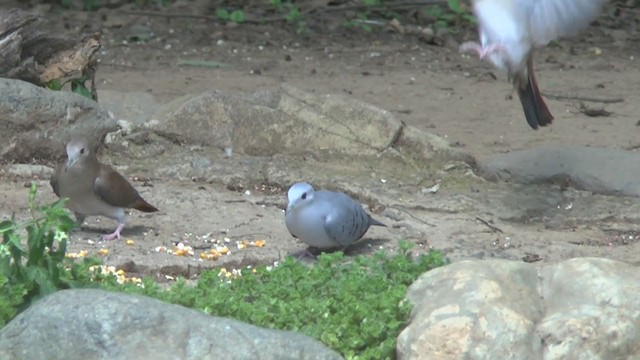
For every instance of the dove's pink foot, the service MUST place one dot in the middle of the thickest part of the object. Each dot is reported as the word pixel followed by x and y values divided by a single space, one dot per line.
pixel 474 47
pixel 115 234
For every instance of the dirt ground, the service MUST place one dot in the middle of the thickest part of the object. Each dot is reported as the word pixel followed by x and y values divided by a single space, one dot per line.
pixel 428 86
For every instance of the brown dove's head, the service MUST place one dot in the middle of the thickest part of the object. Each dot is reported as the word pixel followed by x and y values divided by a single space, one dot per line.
pixel 77 150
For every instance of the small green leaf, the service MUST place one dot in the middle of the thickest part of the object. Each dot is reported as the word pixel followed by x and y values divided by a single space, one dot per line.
pixel 237 16
pixel 449 18
pixel 440 24
pixel 66 223
pixel 6 225
pixel 15 246
pixel 470 18
pixel 454 5
pixel 222 14
pixel 301 27
pixel 32 194
pixel 294 14
pixel 54 84
pixel 435 11
pixel 78 87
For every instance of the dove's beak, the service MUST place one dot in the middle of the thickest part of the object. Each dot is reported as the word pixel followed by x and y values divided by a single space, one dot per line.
pixel 70 162
pixel 291 207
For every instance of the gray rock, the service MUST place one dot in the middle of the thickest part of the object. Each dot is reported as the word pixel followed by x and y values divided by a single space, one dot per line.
pixel 29 171
pixel 126 127
pixel 599 170
pixel 283 135
pixel 37 121
pixel 135 107
pixel 474 310
pixel 291 121
pixel 584 308
pixel 96 324
pixel 593 309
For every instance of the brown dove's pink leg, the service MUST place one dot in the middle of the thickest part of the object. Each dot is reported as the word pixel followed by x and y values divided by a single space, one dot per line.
pixel 115 234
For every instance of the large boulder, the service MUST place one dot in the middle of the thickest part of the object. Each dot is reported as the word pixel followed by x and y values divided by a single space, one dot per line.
pixel 605 171
pixel 96 324
pixel 288 120
pixel 475 310
pixel 36 122
pixel 583 308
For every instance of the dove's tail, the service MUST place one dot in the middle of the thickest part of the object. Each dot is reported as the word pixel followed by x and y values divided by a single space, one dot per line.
pixel 535 110
pixel 141 205
pixel 374 222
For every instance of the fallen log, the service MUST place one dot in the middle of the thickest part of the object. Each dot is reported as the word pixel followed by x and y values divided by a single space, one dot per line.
pixel 30 54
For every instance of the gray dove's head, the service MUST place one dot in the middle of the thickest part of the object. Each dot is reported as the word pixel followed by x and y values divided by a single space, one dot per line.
pixel 76 150
pixel 299 194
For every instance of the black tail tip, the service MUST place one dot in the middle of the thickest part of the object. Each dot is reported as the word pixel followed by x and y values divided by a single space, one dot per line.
pixel 375 222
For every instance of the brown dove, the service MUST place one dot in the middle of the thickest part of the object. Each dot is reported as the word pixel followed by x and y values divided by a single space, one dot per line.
pixel 93 188
pixel 510 30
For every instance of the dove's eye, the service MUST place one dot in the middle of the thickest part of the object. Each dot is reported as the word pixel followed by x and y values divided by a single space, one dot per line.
pixel 304 196
pixel 82 151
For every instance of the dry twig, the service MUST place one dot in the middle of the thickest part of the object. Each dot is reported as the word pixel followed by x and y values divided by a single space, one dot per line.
pixel 583 98
pixel 489 225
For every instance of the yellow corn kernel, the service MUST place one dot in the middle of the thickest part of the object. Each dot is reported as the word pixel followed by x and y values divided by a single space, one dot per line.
pixel 180 252
pixel 260 243
pixel 130 242
pixel 103 251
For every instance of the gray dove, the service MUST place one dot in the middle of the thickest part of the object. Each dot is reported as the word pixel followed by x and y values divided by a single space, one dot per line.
pixel 325 219
pixel 510 30
pixel 93 188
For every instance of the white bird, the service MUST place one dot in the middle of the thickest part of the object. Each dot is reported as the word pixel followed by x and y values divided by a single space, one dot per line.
pixel 325 219
pixel 511 29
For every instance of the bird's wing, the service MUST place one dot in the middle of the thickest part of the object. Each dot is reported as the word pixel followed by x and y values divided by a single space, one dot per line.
pixel 55 179
pixel 114 189
pixel 346 222
pixel 287 220
pixel 550 19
